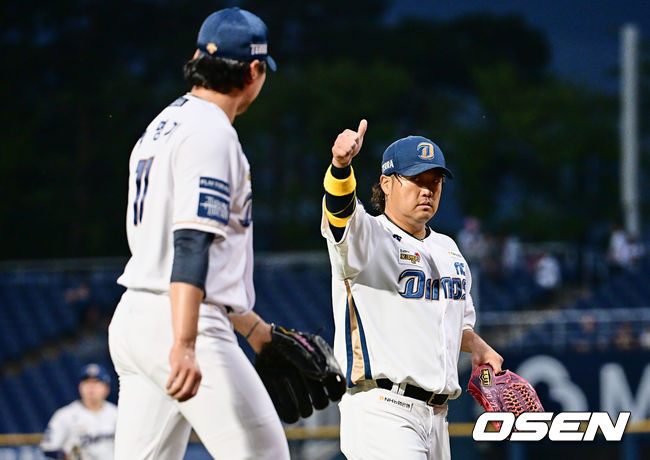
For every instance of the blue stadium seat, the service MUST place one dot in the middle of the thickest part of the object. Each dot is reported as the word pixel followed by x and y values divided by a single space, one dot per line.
pixel 9 423
pixel 35 383
pixel 23 409
pixel 10 341
pixel 35 311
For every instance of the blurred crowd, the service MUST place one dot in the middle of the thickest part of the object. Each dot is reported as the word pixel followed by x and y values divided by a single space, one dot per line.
pixel 498 257
pixel 624 252
pixel 623 336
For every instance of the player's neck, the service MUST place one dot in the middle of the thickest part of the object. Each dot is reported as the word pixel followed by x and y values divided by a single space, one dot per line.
pixel 93 406
pixel 229 103
pixel 416 230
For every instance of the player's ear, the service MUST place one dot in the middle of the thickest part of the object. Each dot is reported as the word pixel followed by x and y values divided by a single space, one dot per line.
pixel 384 183
pixel 255 70
pixel 196 54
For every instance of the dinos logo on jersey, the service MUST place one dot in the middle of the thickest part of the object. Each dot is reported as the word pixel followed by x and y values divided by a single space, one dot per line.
pixel 406 258
pixel 426 150
pixel 414 284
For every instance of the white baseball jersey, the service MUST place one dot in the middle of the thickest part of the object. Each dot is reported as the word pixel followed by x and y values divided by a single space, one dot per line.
pixel 74 428
pixel 188 171
pixel 400 303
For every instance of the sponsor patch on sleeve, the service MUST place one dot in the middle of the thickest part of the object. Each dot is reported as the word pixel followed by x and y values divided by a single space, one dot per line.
pixel 214 207
pixel 178 102
pixel 215 184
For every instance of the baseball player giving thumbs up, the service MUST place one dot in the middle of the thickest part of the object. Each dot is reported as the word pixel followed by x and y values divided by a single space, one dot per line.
pixel 401 302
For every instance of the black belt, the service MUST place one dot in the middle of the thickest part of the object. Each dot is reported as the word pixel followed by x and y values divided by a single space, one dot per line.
pixel 412 391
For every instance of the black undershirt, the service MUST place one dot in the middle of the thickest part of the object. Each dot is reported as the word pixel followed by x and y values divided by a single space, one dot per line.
pixel 191 257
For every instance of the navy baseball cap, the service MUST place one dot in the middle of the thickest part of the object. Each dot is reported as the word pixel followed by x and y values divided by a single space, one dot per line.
pixel 413 155
pixel 94 371
pixel 234 33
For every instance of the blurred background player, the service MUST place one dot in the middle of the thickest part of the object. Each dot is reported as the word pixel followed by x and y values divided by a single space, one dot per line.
pixel 85 428
pixel 190 276
pixel 401 301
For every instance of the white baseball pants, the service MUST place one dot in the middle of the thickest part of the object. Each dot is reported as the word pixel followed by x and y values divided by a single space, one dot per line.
pixel 232 413
pixel 379 424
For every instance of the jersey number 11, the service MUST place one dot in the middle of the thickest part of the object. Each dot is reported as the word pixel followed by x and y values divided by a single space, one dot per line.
pixel 141 172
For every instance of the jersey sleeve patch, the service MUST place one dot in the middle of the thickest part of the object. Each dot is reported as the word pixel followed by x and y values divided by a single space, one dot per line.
pixel 214 207
pixel 215 184
pixel 178 102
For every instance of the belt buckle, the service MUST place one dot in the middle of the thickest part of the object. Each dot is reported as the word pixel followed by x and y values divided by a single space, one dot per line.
pixel 430 400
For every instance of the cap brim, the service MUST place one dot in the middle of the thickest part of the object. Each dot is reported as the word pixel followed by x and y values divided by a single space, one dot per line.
pixel 414 170
pixel 271 63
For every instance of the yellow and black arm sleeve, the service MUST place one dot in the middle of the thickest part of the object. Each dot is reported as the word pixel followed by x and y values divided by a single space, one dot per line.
pixel 340 197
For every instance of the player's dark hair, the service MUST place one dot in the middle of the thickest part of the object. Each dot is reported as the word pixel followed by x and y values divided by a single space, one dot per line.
pixel 378 198
pixel 218 74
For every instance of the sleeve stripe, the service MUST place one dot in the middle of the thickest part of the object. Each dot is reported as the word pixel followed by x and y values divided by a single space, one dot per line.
pixel 340 206
pixel 336 221
pixel 339 187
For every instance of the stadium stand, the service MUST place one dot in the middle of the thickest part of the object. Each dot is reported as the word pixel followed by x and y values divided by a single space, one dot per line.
pixel 47 333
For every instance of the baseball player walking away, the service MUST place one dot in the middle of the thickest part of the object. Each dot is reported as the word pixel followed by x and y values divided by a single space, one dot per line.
pixel 189 279
pixel 401 303
pixel 85 428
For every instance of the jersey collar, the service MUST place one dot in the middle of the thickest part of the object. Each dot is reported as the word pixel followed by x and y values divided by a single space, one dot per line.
pixel 427 230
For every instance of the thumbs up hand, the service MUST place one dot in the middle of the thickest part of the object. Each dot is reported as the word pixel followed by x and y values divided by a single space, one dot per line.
pixel 347 145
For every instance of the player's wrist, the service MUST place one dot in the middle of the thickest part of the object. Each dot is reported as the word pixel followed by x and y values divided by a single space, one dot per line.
pixel 340 164
pixel 260 336
pixel 340 173
pixel 185 343
pixel 468 341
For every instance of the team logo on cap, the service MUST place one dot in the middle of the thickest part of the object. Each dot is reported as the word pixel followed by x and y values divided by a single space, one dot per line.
pixel 211 47
pixel 92 370
pixel 426 150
